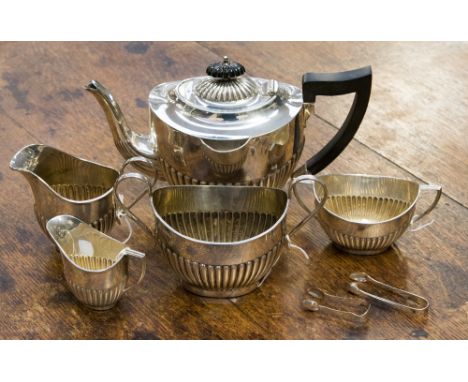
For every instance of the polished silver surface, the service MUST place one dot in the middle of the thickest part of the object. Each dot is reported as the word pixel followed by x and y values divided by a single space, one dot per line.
pixel 232 129
pixel 225 158
pixel 344 308
pixel 128 142
pixel 261 114
pixel 401 299
pixel 64 184
pixel 225 97
pixel 365 214
pixel 95 265
pixel 256 140
pixel 221 90
pixel 222 241
pixel 225 104
pixel 267 160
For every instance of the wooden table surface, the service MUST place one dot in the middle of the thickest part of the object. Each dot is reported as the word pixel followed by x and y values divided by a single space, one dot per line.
pixel 416 127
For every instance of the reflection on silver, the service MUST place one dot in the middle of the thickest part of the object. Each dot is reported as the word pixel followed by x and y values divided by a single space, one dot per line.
pixel 193 135
pixel 220 90
pixel 95 265
pixel 351 309
pixel 222 241
pixel 365 214
pixel 408 301
pixel 175 104
pixel 225 157
pixel 64 184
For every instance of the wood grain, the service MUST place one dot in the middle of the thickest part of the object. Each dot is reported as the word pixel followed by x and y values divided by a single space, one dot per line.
pixel 41 100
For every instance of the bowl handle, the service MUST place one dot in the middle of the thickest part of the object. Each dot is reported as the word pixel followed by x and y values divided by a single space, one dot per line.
pixel 427 187
pixel 310 212
pixel 125 210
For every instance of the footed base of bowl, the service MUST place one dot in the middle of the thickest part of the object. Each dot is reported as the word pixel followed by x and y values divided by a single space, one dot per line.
pixel 228 293
pixel 364 252
pixel 99 308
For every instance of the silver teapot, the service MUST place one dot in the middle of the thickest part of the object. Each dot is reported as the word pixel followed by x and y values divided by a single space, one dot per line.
pixel 230 128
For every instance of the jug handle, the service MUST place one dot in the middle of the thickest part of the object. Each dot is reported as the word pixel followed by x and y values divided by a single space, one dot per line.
pixel 142 260
pixel 358 81
pixel 427 187
pixel 310 213
pixel 124 209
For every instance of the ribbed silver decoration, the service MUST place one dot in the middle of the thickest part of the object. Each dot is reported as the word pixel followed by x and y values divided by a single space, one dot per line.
pixel 216 90
pixel 362 245
pixel 79 191
pixel 369 209
pixel 85 192
pixel 98 299
pixel 226 169
pixel 91 262
pixel 275 178
pixel 221 226
pixel 103 224
pixel 222 280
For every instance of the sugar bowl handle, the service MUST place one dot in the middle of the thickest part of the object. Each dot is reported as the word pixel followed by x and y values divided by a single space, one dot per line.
pixel 318 206
pixel 358 81
pixel 427 187
pixel 124 209
pixel 310 212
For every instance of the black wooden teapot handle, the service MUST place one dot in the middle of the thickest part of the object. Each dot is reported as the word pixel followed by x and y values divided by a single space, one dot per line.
pixel 356 81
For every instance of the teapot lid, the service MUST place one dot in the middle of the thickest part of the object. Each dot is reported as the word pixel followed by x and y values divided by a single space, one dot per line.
pixel 226 104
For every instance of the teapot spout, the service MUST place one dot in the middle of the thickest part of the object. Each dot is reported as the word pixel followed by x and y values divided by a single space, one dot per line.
pixel 128 142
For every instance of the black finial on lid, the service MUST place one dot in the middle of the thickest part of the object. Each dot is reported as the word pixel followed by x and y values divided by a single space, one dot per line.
pixel 225 69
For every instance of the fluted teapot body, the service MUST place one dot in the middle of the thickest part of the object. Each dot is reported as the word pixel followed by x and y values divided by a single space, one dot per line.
pixel 230 128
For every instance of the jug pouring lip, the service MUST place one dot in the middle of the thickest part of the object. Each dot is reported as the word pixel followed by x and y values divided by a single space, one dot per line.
pixel 24 165
pixel 55 221
pixel 24 168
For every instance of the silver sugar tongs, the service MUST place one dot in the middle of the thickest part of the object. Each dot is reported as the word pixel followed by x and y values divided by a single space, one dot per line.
pixel 414 303
pixel 318 300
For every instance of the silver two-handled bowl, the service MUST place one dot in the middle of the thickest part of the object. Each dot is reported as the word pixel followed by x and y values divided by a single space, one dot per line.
pixel 222 241
pixel 365 214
